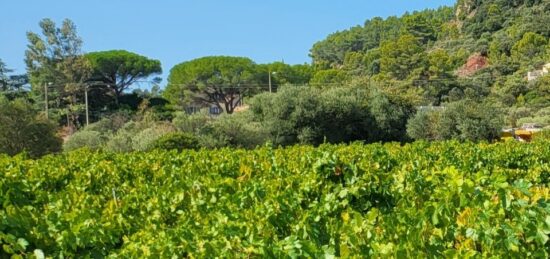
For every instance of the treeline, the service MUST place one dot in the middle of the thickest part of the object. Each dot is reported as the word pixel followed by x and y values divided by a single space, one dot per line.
pixel 451 73
pixel 481 50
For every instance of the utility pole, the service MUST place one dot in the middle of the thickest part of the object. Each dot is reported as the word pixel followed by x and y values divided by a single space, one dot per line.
pixel 86 101
pixel 269 71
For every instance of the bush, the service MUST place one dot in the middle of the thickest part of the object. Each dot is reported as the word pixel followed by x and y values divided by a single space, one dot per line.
pixel 463 120
pixel 192 123
pixel 235 130
pixel 391 115
pixel 176 140
pixel 120 142
pixel 541 117
pixel 110 124
pixel 21 129
pixel 97 135
pixel 94 140
pixel 313 116
pixel 424 125
pixel 145 139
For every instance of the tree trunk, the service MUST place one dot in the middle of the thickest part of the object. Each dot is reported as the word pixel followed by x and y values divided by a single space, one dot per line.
pixel 229 108
pixel 117 94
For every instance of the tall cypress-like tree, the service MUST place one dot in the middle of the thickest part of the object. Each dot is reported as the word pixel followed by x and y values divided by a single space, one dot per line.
pixel 56 60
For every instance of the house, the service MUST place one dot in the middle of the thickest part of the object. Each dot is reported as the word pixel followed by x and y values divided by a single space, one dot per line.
pixel 534 75
pixel 213 109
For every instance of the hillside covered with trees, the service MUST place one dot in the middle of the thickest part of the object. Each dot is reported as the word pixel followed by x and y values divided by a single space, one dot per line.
pixel 481 50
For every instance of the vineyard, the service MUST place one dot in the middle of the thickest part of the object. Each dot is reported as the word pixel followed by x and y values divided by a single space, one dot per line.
pixel 447 199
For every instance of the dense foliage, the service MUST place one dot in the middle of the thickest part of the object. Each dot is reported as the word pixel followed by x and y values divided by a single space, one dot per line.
pixel 477 49
pixel 293 115
pixel 313 116
pixel 219 81
pixel 178 141
pixel 23 130
pixel 463 120
pixel 481 51
pixel 418 200
pixel 57 70
pixel 117 70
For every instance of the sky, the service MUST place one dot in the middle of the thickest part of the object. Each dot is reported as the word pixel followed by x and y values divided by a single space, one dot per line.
pixel 174 31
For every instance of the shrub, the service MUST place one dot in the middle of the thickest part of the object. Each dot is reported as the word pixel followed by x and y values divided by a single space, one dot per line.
pixel 110 124
pixel 463 120
pixel 120 142
pixel 176 140
pixel 191 122
pixel 145 139
pixel 94 140
pixel 541 117
pixel 236 130
pixel 41 138
pixel 424 125
pixel 313 116
pixel 21 129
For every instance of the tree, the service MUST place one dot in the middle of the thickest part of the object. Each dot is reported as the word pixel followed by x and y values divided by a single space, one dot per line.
pixel 330 52
pixel 217 80
pixel 282 74
pixel 336 115
pixel 441 80
pixel 424 125
pixel 400 58
pixel 119 69
pixel 391 114
pixel 22 130
pixel 416 24
pixel 354 63
pixel 12 86
pixel 530 46
pixel 57 60
pixel 3 76
pixel 330 77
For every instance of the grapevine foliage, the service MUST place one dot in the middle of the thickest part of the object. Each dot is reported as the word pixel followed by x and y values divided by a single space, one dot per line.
pixel 445 199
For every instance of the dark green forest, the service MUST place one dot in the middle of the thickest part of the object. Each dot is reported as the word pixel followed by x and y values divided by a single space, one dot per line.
pixel 477 49
pixel 463 72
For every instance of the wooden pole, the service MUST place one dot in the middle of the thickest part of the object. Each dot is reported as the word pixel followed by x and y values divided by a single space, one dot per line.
pixel 270 80
pixel 86 101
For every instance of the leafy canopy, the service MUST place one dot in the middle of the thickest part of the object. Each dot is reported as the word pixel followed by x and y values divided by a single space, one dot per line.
pixel 221 81
pixel 21 129
pixel 119 69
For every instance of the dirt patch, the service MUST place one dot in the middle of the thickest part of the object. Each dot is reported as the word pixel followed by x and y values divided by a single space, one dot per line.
pixel 475 63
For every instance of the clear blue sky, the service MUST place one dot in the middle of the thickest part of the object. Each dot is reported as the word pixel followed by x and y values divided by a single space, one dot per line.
pixel 174 31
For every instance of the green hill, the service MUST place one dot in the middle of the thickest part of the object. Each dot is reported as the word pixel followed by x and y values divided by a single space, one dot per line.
pixel 477 49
